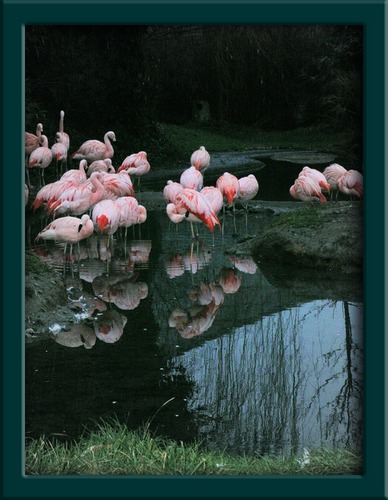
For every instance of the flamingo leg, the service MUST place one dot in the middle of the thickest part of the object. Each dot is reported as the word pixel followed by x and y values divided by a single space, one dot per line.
pixel 28 178
pixel 192 230
pixel 223 220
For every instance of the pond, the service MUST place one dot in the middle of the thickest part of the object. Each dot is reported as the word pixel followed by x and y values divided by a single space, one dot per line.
pixel 236 353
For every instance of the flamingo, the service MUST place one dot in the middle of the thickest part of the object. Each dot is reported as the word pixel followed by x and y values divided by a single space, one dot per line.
pixel 59 152
pixel 78 198
pixel 317 175
pixel 101 166
pixel 332 174
pixel 214 197
pixel 93 150
pixel 171 190
pixel 61 136
pixel 128 206
pixel 106 218
pixel 68 230
pixel 191 178
pixel 248 188
pixel 133 160
pixel 136 164
pixel 26 193
pixel 50 192
pixel 200 159
pixel 306 188
pixel 76 175
pixel 229 186
pixel 351 183
pixel 41 157
pixel 142 168
pixel 31 142
pixel 117 185
pixel 193 202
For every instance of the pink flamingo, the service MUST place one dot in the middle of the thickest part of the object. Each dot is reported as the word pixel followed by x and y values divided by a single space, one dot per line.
pixel 306 188
pixel 117 185
pixel 101 166
pixel 76 175
pixel 214 197
pixel 50 192
pixel 248 188
pixel 171 190
pixel 59 152
pixel 193 202
pixel 61 136
pixel 68 230
pixel 133 160
pixel 41 158
pixel 142 169
pixel 136 165
pixel 191 178
pixel 332 174
pixel 229 186
pixel 317 175
pixel 78 198
pixel 200 159
pixel 128 206
pixel 31 143
pixel 93 150
pixel 351 183
pixel 26 193
pixel 106 218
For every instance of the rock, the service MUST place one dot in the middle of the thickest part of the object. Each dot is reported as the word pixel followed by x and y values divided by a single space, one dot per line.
pixel 325 236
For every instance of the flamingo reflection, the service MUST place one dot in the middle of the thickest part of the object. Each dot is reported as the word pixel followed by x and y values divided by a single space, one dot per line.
pixel 78 335
pixel 109 326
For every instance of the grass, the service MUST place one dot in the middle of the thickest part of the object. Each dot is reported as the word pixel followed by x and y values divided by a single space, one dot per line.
pixel 35 265
pixel 312 217
pixel 114 450
pixel 243 137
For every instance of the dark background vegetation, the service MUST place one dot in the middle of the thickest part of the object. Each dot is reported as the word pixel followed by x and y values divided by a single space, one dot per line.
pixel 132 78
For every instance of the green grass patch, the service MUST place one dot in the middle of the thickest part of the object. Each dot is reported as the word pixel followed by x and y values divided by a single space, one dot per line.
pixel 35 265
pixel 190 136
pixel 114 450
pixel 309 218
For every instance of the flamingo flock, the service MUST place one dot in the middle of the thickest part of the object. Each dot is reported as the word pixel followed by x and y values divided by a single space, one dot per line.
pixel 312 185
pixel 97 198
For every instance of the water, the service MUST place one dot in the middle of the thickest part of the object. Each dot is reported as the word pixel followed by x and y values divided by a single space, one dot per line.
pixel 240 354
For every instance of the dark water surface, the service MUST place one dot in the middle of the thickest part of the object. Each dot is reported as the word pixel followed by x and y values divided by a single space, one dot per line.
pixel 240 354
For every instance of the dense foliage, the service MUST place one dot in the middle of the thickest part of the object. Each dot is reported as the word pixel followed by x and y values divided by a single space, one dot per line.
pixel 130 78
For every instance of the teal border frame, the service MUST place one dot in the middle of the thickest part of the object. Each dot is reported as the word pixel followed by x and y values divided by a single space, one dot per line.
pixel 373 15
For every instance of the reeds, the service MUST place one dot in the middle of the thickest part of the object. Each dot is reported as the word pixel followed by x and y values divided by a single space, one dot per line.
pixel 114 450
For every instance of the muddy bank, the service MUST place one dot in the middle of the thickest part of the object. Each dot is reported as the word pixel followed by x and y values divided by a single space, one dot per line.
pixel 46 300
pixel 328 236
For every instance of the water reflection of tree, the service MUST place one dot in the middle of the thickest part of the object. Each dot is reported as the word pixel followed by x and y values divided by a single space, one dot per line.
pixel 255 391
pixel 249 400
pixel 346 406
